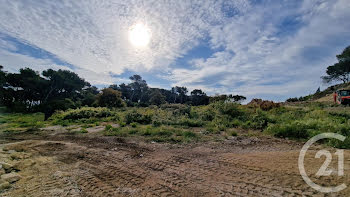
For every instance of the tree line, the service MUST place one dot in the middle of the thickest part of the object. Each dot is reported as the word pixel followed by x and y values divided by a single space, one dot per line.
pixel 30 91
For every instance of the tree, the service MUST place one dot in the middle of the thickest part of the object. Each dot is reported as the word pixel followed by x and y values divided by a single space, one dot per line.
pixel 88 96
pixel 139 89
pixel 110 98
pixel 218 98
pixel 114 87
pixel 2 83
pixel 237 98
pixel 2 77
pixel 339 71
pixel 60 85
pixel 179 94
pixel 318 90
pixel 345 55
pixel 24 90
pixel 63 84
pixel 227 98
pixel 28 91
pixel 198 97
pixel 156 97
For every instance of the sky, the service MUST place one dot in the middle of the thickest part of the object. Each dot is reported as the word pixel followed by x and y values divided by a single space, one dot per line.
pixel 257 48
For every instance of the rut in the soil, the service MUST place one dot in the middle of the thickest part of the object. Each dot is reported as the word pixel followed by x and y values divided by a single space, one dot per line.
pixel 118 168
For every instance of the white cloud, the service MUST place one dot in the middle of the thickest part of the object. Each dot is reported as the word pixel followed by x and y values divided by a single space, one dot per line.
pixel 266 61
pixel 13 61
pixel 93 34
pixel 255 54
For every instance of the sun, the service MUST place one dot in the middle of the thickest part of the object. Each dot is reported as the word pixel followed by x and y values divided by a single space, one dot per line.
pixel 139 35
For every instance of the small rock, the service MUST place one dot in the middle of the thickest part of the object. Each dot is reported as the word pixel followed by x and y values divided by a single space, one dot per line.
pixel 2 171
pixel 11 177
pixel 7 167
pixel 17 156
pixel 23 164
pixel 4 185
pixel 11 151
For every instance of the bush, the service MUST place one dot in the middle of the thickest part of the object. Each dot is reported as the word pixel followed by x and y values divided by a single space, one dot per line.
pixel 84 113
pixel 156 123
pixel 122 124
pixel 83 130
pixel 108 127
pixel 212 129
pixel 208 115
pixel 135 116
pixel 133 124
pixel 259 120
pixel 177 109
pixel 12 121
pixel 293 130
pixel 231 109
pixel 189 134
pixel 191 123
pixel 268 105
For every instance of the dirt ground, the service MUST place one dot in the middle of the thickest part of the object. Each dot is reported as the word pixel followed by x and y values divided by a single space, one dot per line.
pixel 91 165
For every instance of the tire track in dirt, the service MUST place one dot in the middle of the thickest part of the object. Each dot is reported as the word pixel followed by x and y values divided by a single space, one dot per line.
pixel 76 168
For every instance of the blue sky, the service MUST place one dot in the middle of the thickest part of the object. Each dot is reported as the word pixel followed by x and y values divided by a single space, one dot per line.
pixel 259 48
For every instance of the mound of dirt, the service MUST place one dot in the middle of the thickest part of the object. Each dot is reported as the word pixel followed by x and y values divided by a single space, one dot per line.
pixel 263 104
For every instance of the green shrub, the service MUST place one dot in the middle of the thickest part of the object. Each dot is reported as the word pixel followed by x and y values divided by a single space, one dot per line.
pixel 177 109
pixel 208 115
pixel 233 110
pixel 191 123
pixel 108 127
pixel 213 129
pixel 12 121
pixel 339 144
pixel 259 120
pixel 122 124
pixel 156 123
pixel 292 130
pixel 163 133
pixel 83 130
pixel 135 116
pixel 189 134
pixel 83 113
pixel 133 131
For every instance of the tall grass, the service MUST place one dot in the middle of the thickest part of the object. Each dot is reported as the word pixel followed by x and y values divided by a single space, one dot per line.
pixel 84 115
pixel 12 122
pixel 179 123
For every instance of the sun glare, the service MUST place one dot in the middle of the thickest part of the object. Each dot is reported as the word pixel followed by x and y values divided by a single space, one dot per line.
pixel 139 35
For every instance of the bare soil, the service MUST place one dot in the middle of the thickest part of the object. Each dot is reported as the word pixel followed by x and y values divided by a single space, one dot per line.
pixel 92 165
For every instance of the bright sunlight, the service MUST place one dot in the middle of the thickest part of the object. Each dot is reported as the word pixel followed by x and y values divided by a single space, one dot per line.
pixel 139 35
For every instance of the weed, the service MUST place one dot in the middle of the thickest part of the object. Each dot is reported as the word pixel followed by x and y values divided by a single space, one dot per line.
pixel 138 117
pixel 83 130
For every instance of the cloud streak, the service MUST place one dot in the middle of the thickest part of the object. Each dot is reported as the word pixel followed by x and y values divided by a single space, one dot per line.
pixel 258 47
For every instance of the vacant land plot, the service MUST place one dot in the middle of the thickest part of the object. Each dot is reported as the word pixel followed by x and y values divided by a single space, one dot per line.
pixel 62 164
